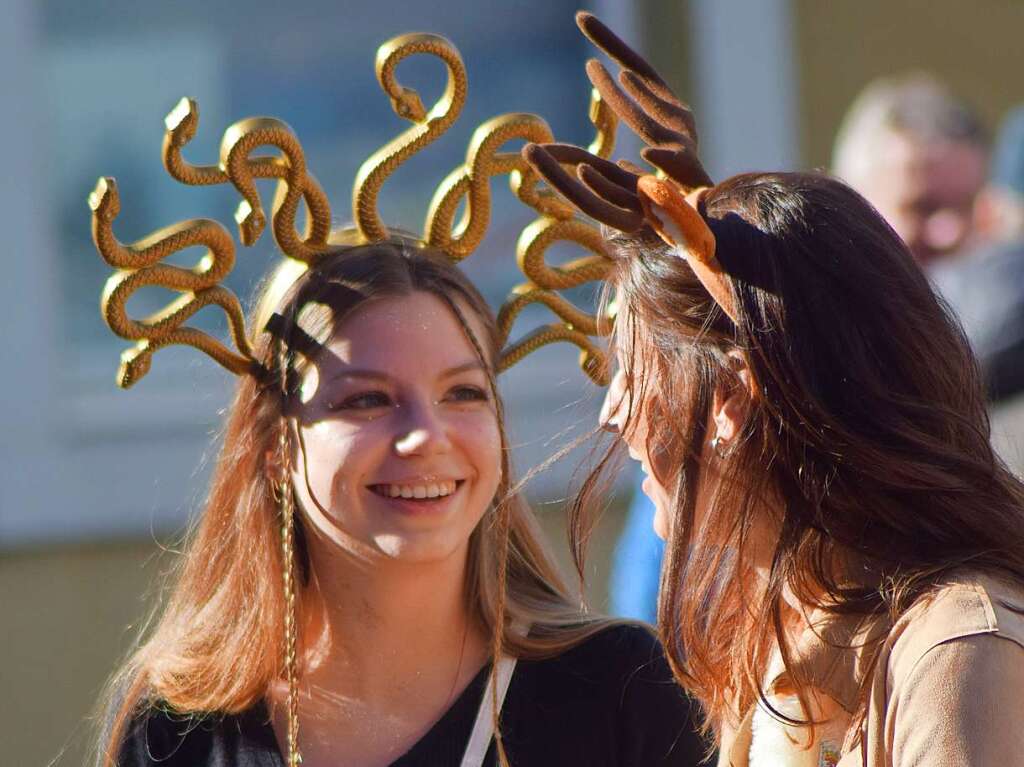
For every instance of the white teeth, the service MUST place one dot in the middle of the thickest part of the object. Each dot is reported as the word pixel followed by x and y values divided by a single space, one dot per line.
pixel 431 490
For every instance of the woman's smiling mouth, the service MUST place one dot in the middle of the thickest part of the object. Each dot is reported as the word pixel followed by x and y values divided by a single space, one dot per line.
pixel 417 491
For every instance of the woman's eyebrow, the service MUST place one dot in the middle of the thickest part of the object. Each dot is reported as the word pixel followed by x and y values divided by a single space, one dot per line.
pixel 375 375
pixel 378 375
pixel 454 371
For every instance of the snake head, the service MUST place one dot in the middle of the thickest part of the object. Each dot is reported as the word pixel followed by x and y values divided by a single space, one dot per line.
pixel 182 121
pixel 408 105
pixel 104 200
pixel 595 366
pixel 251 223
pixel 135 363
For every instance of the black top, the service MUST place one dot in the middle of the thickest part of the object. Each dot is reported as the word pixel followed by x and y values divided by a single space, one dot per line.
pixel 608 701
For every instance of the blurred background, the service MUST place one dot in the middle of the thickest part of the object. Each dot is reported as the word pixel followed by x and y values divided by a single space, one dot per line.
pixel 98 484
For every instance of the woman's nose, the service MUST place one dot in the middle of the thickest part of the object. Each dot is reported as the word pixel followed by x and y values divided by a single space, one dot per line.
pixel 611 408
pixel 422 432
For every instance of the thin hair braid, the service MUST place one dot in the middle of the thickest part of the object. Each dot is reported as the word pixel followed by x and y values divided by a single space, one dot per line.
pixel 286 499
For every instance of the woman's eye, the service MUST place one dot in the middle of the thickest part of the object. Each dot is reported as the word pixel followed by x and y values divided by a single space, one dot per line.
pixel 364 401
pixel 467 394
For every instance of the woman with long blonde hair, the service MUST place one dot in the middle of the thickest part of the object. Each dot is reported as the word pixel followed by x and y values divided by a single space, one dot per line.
pixel 419 575
pixel 364 586
pixel 844 574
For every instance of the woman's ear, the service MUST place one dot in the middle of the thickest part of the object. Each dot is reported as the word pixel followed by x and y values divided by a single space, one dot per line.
pixel 730 407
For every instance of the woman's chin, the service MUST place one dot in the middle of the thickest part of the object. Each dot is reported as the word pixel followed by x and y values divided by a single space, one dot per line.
pixel 418 549
pixel 660 523
pixel 659 498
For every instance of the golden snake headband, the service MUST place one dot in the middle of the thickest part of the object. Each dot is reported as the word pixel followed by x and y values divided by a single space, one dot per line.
pixel 266 148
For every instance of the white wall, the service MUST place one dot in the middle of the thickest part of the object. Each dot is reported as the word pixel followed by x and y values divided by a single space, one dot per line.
pixel 747 86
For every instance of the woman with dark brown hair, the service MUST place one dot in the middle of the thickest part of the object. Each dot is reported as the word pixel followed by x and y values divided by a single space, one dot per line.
pixel 844 575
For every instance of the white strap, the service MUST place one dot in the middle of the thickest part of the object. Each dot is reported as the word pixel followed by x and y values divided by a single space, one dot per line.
pixel 483 728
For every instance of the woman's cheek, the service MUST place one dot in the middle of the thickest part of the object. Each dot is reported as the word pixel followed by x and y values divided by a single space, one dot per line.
pixel 332 450
pixel 481 431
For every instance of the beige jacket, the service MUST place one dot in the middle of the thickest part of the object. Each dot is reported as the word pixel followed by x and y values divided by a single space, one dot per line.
pixel 947 691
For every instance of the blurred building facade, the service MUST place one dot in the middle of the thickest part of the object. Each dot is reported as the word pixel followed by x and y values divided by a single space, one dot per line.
pixel 94 477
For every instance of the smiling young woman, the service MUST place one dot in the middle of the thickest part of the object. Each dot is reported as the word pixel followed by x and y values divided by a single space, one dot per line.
pixel 420 577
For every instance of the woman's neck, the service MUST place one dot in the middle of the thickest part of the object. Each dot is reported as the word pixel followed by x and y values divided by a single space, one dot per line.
pixel 375 629
pixel 390 646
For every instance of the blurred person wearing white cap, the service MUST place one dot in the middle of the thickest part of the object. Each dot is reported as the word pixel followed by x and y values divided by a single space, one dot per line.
pixel 918 154
pixel 986 289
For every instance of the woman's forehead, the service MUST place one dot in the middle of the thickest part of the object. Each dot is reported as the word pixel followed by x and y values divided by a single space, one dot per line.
pixel 414 332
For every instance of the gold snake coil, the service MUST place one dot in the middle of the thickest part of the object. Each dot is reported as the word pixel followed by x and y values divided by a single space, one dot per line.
pixel 406 103
pixel 557 224
pixel 138 266
pixel 592 360
pixel 240 169
pixel 545 232
pixel 471 182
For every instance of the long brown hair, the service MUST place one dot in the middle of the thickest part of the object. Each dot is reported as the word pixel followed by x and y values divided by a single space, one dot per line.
pixel 868 425
pixel 219 642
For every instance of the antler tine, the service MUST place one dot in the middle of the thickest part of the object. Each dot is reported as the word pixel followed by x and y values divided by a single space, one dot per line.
pixel 607 189
pixel 667 107
pixel 679 159
pixel 631 167
pixel 579 193
pixel 616 172
pixel 670 112
pixel 643 124
pixel 643 100
pixel 617 50
pixel 666 126
pixel 683 167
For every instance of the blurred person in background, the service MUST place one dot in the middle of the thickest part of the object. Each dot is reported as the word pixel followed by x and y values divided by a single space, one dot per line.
pixel 986 290
pixel 986 286
pixel 918 154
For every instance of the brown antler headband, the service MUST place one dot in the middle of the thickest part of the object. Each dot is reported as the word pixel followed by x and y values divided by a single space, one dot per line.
pixel 622 195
